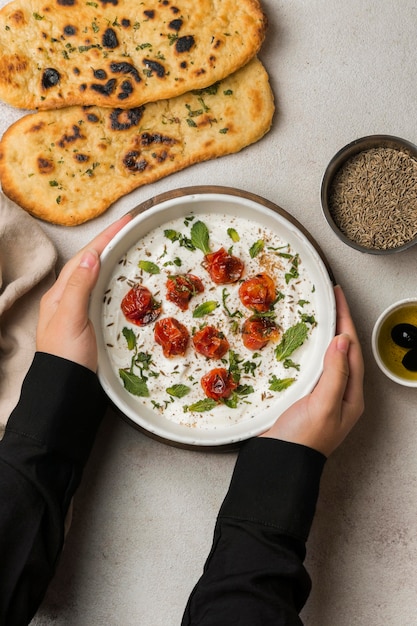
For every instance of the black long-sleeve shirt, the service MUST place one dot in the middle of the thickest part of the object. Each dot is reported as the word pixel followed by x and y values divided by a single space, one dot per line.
pixel 254 574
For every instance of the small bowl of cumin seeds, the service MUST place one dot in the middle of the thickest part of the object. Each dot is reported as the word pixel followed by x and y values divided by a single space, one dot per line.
pixel 369 194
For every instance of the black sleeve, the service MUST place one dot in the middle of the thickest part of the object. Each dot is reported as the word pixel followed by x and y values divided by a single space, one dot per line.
pixel 254 574
pixel 46 444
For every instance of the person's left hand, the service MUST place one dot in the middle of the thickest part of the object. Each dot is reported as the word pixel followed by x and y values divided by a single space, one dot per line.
pixel 64 328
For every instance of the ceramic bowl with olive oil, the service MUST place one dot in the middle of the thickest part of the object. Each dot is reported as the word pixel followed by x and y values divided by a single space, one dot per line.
pixel 394 342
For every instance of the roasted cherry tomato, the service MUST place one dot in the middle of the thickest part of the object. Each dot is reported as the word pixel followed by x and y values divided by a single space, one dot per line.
pixel 140 307
pixel 258 293
pixel 257 331
pixel 218 383
pixel 210 342
pixel 223 267
pixel 172 336
pixel 181 288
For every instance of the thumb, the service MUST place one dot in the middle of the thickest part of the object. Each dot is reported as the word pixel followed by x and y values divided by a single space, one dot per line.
pixel 332 384
pixel 80 283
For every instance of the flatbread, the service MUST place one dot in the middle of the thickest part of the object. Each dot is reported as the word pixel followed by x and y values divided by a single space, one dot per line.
pixel 121 53
pixel 69 165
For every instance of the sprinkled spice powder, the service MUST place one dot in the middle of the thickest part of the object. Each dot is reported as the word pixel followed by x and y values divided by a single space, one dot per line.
pixel 373 198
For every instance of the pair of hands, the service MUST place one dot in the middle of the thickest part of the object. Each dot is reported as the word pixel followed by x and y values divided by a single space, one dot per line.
pixel 320 420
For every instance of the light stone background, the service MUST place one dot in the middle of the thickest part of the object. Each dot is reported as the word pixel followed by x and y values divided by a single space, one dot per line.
pixel 145 513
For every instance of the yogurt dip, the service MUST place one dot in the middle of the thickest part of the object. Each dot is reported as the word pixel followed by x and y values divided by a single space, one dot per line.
pixel 173 387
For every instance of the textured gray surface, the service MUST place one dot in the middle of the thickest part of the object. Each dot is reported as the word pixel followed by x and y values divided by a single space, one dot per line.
pixel 145 513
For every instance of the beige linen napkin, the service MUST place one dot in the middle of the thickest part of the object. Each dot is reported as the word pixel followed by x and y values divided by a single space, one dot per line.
pixel 27 262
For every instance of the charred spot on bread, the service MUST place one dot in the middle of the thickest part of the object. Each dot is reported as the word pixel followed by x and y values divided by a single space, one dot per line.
pixel 125 68
pixel 69 30
pixel 50 77
pixel 175 24
pixel 130 117
pixel 154 67
pixel 148 139
pixel 92 117
pixel 105 90
pixel 45 166
pixel 184 44
pixel 133 162
pixel 149 13
pixel 66 138
pixel 109 39
pixel 81 158
pixel 126 90
pixel 100 74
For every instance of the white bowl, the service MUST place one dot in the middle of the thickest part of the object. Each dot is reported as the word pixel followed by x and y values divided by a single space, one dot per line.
pixel 155 213
pixel 384 348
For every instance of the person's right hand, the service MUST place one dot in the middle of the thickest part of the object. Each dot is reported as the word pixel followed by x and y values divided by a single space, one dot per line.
pixel 64 328
pixel 323 418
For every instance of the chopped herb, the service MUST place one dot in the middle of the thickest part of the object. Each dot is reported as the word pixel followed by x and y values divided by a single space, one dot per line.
pixel 303 302
pixel 256 248
pixel 53 183
pixel 234 365
pixel 130 337
pixel 249 367
pixel 223 131
pixel 293 272
pixel 227 92
pixel 148 266
pixel 288 363
pixel 233 234
pixel 174 235
pixel 225 295
pixel 37 16
pixel 279 384
pixel 205 308
pixel 194 113
pixel 308 319
pixel 292 339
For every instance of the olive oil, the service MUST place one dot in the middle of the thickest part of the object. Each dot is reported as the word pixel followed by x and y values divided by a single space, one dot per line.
pixel 390 352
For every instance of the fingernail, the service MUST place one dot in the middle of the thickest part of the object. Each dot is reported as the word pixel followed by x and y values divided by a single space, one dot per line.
pixel 343 342
pixel 89 259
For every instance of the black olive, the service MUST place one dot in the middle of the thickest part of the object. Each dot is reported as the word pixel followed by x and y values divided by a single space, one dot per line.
pixel 410 360
pixel 405 335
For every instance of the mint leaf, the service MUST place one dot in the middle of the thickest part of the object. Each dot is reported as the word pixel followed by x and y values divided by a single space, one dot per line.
pixel 201 405
pixel 200 237
pixel 148 266
pixel 133 384
pixel 279 384
pixel 292 339
pixel 178 390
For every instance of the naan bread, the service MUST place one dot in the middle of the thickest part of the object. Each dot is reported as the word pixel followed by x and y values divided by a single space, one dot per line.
pixel 68 165
pixel 121 53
